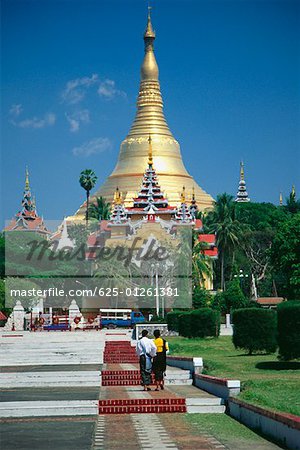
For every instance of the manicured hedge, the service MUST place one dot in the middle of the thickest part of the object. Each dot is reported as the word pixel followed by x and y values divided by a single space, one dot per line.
pixel 172 320
pixel 200 322
pixel 289 330
pixel 184 324
pixel 254 329
pixel 205 322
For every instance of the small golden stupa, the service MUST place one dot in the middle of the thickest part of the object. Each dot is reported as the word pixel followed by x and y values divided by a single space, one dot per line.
pixel 133 156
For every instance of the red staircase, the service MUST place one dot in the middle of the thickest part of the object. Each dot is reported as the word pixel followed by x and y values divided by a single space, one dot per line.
pixel 121 378
pixel 118 352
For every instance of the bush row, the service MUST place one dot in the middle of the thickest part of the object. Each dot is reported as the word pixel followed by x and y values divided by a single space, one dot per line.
pixel 264 330
pixel 197 323
pixel 253 329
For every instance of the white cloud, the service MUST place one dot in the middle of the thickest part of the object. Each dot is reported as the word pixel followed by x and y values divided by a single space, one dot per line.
pixel 78 118
pixel 15 110
pixel 35 122
pixel 93 147
pixel 75 90
pixel 107 89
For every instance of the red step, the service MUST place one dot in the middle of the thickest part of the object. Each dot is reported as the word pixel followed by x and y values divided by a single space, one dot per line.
pixel 156 409
pixel 120 372
pixel 148 405
pixel 121 377
pixel 121 382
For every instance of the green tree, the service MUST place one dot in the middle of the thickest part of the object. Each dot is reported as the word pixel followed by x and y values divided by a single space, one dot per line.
pixel 233 296
pixel 285 257
pixel 292 204
pixel 87 181
pixel 201 298
pixel 253 255
pixel 100 210
pixel 2 255
pixel 222 221
pixel 201 265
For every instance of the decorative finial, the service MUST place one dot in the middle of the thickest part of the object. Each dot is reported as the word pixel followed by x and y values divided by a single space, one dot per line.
pixel 118 197
pixel 242 194
pixel 149 32
pixel 293 191
pixel 27 185
pixel 242 173
pixel 280 199
pixel 150 156
pixel 183 195
pixel 193 194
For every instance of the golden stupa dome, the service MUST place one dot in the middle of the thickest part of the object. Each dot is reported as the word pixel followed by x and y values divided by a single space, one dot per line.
pixel 133 156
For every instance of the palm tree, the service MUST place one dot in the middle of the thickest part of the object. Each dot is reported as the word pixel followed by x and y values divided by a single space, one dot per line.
pixel 87 181
pixel 100 210
pixel 222 221
pixel 201 265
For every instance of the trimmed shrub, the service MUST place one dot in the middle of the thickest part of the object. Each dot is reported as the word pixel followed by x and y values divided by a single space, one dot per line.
pixel 288 330
pixel 205 322
pixel 201 298
pixel 233 296
pixel 184 324
pixel 254 330
pixel 172 320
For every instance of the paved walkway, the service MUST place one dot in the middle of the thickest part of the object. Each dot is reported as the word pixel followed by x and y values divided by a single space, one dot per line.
pixel 78 352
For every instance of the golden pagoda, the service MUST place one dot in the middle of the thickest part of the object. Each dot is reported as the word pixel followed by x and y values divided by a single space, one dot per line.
pixel 133 156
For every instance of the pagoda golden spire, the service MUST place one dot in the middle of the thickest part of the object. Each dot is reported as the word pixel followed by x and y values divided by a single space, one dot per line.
pixel 150 156
pixel 118 197
pixel 280 199
pixel 27 184
pixel 134 150
pixel 193 194
pixel 293 191
pixel 242 171
pixel 182 196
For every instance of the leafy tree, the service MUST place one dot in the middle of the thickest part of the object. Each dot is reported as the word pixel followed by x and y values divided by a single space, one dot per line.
pixel 262 221
pixel 292 204
pixel 218 302
pixel 233 296
pixel 201 266
pixel 87 181
pixel 100 210
pixel 222 221
pixel 3 307
pixel 260 216
pixel 2 255
pixel 285 256
pixel 201 298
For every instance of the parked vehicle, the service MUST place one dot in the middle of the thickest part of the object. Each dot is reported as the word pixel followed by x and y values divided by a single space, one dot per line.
pixel 113 318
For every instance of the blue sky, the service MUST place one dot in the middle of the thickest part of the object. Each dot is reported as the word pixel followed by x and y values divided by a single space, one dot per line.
pixel 229 73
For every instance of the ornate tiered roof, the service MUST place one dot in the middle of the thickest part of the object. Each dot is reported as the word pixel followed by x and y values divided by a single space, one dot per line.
pixel 242 194
pixel 119 213
pixel 150 199
pixel 183 213
pixel 27 219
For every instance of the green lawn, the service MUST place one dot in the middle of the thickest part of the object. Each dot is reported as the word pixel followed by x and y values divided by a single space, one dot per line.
pixel 265 381
pixel 228 431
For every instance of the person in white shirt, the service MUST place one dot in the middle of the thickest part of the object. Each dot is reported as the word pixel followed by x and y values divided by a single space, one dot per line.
pixel 146 350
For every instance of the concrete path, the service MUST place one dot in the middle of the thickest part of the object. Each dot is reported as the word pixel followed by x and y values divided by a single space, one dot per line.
pixel 42 360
